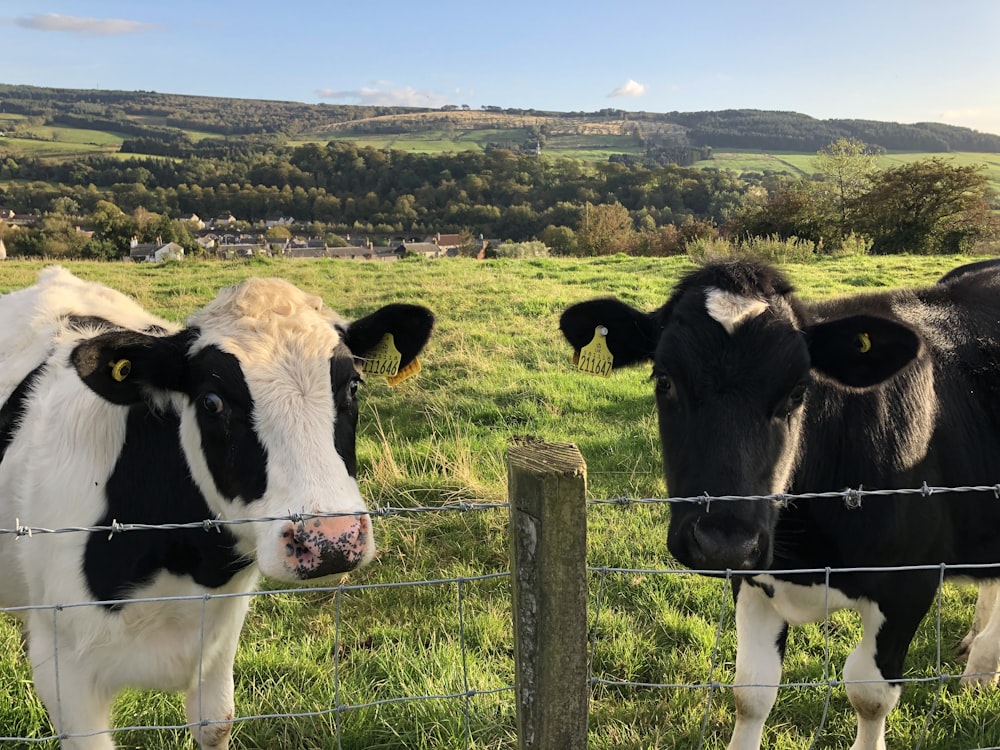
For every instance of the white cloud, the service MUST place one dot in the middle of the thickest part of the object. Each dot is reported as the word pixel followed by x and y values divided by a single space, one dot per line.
pixel 384 94
pixel 86 26
pixel 630 88
pixel 986 119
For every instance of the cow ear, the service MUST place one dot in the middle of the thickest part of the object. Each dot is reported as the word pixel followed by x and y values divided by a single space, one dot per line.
pixel 410 326
pixel 125 367
pixel 862 350
pixel 632 334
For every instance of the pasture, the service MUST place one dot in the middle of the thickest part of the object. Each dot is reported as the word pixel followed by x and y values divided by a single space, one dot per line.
pixel 800 164
pixel 591 147
pixel 496 368
pixel 55 141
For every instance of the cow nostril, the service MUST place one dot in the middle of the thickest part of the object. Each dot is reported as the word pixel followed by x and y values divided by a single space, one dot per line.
pixel 320 548
pixel 718 549
pixel 703 539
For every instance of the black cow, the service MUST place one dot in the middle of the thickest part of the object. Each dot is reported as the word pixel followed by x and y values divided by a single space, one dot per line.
pixel 760 394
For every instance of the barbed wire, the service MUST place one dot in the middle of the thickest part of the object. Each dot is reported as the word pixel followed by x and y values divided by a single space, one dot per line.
pixel 217 524
pixel 851 497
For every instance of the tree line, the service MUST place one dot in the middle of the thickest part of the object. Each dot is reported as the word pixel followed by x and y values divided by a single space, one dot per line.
pixel 574 208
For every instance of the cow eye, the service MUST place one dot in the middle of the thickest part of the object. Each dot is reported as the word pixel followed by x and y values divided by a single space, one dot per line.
pixel 213 404
pixel 797 395
pixel 664 383
pixel 792 401
pixel 348 392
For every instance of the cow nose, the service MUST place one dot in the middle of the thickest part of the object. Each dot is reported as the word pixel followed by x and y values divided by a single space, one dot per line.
pixel 327 546
pixel 719 550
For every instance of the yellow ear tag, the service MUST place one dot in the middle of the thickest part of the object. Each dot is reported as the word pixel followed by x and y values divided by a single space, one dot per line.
pixel 405 374
pixel 863 342
pixel 595 358
pixel 120 369
pixel 384 359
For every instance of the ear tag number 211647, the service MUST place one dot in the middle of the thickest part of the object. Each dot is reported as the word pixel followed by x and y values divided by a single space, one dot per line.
pixel 595 358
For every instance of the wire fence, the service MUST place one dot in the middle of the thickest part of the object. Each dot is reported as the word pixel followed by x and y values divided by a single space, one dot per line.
pixel 599 579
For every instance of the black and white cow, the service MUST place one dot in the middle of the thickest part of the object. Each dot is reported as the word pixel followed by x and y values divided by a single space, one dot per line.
pixel 758 394
pixel 113 415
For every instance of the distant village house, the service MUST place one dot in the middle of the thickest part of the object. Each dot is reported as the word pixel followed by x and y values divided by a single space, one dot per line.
pixel 154 252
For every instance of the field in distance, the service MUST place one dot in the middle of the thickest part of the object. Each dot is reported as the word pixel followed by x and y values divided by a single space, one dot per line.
pixel 589 144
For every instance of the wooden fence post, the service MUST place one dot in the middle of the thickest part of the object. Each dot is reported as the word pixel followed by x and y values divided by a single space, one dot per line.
pixel 547 487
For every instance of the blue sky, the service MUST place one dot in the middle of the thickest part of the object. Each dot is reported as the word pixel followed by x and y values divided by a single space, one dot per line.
pixel 901 60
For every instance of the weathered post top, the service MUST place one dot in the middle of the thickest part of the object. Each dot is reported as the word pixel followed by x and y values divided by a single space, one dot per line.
pixel 547 458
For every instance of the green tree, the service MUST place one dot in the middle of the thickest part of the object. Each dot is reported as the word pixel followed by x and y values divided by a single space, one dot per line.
pixel 59 237
pixel 65 206
pixel 561 240
pixel 113 231
pixel 847 167
pixel 605 229
pixel 929 206
pixel 794 211
pixel 666 240
pixel 155 227
pixel 278 232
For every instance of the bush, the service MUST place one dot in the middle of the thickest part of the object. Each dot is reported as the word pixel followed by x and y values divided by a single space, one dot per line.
pixel 854 244
pixel 771 248
pixel 712 248
pixel 533 249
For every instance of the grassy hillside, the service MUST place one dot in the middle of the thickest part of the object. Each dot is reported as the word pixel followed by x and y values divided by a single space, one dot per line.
pixel 496 368
pixel 59 124
pixel 802 164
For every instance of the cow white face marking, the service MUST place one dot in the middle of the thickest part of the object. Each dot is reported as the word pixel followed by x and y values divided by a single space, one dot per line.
pixel 730 310
pixel 283 340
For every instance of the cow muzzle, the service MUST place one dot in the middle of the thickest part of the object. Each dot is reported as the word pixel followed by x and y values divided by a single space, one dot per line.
pixel 714 549
pixel 323 547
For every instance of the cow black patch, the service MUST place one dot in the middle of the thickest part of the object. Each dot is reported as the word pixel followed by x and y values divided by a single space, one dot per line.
pixel 90 322
pixel 224 409
pixel 345 379
pixel 13 409
pixel 151 484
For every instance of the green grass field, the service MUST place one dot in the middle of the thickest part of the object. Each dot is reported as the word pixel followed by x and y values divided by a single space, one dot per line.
pixel 496 368
pixel 588 148
pixel 800 164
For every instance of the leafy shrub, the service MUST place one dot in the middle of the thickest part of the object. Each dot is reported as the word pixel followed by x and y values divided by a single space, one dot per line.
pixel 533 249
pixel 771 248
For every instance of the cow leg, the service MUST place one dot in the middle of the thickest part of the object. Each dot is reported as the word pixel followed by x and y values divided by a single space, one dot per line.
pixel 873 669
pixel 211 699
pixel 985 603
pixel 75 703
pixel 983 649
pixel 760 646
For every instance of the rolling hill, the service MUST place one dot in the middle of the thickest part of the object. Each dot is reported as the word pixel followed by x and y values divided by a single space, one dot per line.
pixel 63 123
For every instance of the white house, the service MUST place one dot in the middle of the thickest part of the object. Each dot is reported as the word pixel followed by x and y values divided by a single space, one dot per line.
pixel 155 252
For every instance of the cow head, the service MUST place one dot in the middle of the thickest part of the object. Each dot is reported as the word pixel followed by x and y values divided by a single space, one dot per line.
pixel 265 381
pixel 734 361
